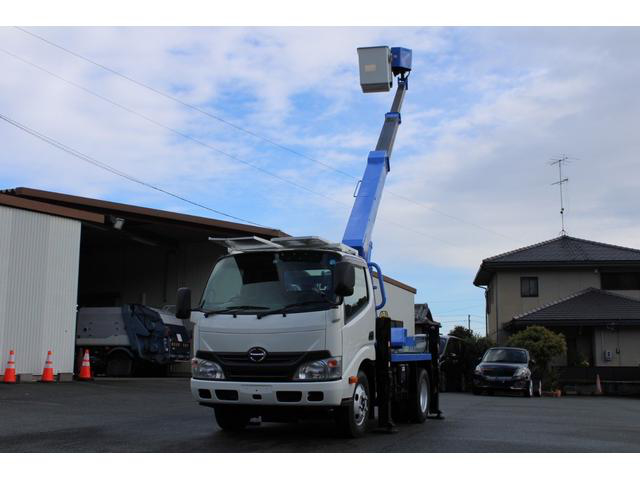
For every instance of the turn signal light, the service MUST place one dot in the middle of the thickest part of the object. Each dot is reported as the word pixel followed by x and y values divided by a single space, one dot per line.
pixel 353 380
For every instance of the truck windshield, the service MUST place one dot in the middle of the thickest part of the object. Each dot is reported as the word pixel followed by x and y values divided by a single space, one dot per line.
pixel 262 281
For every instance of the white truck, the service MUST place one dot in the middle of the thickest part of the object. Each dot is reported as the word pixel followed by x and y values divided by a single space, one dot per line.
pixel 289 327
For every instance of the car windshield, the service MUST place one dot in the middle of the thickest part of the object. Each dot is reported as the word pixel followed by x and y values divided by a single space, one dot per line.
pixel 505 355
pixel 264 281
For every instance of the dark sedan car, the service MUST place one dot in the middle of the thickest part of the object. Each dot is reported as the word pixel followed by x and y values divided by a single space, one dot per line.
pixel 506 369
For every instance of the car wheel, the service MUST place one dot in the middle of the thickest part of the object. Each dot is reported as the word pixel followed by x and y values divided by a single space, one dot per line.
pixel 529 391
pixel 537 391
pixel 353 418
pixel 419 404
pixel 230 418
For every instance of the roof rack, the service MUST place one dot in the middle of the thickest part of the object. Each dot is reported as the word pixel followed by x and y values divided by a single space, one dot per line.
pixel 244 244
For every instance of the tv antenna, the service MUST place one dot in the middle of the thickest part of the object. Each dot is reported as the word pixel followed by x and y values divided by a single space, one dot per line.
pixel 561 181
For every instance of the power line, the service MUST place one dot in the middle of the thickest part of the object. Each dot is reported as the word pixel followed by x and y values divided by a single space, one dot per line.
pixel 182 102
pixel 247 131
pixel 204 144
pixel 110 169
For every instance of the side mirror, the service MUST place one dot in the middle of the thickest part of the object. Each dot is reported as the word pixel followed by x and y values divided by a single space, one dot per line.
pixel 183 303
pixel 344 279
pixel 532 361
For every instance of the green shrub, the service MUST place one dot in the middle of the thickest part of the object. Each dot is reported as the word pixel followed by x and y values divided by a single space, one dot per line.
pixel 543 345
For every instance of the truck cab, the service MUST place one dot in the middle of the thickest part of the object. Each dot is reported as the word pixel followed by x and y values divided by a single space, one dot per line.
pixel 281 323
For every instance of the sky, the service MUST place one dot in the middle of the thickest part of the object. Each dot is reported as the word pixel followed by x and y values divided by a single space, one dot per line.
pixel 486 111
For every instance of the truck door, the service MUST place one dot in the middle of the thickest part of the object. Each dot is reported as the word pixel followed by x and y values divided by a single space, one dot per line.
pixel 359 319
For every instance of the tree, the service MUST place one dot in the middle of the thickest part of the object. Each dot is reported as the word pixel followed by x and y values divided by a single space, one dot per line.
pixel 461 332
pixel 543 345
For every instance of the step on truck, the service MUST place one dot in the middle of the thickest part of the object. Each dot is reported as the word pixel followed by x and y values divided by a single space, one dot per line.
pixel 290 328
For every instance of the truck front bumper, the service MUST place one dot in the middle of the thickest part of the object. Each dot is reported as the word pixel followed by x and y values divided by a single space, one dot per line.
pixel 311 394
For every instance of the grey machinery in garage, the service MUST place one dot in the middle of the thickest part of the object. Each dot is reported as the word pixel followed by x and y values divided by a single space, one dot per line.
pixel 131 338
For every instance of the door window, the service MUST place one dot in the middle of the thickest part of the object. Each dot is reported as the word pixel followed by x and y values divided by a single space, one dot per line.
pixel 360 298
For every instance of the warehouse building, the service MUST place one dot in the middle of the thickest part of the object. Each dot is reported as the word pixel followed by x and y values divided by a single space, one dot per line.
pixel 59 252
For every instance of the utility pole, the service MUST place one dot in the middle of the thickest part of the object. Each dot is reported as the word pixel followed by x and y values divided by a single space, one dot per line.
pixel 561 180
pixel 468 322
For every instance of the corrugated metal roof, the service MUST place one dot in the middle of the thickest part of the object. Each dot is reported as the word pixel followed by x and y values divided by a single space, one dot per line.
pixel 41 207
pixel 586 307
pixel 105 207
pixel 561 251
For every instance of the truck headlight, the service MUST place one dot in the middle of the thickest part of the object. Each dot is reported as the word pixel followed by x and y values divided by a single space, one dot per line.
pixel 478 370
pixel 521 372
pixel 327 369
pixel 206 370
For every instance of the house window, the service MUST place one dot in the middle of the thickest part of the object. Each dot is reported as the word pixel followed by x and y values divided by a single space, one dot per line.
pixel 620 281
pixel 528 286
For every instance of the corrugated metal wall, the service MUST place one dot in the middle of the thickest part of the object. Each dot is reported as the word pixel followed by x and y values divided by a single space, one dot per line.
pixel 39 259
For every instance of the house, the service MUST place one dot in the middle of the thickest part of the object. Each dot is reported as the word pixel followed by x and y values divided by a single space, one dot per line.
pixel 423 318
pixel 589 291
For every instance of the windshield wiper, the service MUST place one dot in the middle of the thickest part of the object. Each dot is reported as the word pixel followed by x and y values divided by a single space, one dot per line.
pixel 286 308
pixel 234 308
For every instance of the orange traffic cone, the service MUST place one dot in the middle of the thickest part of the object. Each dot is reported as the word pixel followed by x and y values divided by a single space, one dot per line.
pixel 598 385
pixel 47 373
pixel 10 372
pixel 85 370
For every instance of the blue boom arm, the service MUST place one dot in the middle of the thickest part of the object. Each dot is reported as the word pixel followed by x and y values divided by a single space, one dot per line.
pixel 365 208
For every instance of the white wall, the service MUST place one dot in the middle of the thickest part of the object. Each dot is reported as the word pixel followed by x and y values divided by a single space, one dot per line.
pixel 623 343
pixel 399 305
pixel 39 257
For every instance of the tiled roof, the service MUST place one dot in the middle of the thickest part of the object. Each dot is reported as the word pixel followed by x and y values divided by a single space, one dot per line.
pixel 568 249
pixel 560 251
pixel 591 306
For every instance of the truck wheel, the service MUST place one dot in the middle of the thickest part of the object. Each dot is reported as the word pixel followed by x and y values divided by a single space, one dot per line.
pixel 352 419
pixel 230 418
pixel 419 404
pixel 119 364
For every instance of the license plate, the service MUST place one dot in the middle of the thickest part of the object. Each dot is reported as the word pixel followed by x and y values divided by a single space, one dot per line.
pixel 257 388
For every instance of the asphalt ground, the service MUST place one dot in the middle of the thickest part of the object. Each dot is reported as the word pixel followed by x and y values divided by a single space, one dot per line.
pixel 159 415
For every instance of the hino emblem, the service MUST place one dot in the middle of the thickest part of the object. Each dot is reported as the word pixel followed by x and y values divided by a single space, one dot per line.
pixel 257 354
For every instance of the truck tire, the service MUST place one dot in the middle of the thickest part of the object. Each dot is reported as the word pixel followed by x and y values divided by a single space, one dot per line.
pixel 230 418
pixel 352 419
pixel 421 398
pixel 119 364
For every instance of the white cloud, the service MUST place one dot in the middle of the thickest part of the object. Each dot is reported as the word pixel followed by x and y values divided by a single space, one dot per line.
pixel 485 111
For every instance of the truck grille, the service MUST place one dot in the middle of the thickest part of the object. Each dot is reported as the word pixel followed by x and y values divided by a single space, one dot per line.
pixel 276 367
